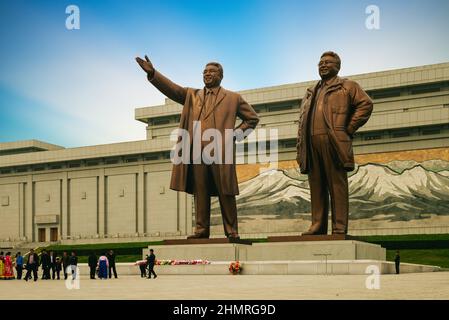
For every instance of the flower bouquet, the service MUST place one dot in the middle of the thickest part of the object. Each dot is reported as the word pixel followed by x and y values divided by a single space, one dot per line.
pixel 181 262
pixel 190 262
pixel 235 267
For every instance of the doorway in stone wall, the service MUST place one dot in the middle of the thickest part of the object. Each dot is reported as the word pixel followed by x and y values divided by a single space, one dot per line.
pixel 53 234
pixel 41 234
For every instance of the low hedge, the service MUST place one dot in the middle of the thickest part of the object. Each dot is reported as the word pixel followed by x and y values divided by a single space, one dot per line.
pixel 399 245
pixel 128 249
pixel 418 241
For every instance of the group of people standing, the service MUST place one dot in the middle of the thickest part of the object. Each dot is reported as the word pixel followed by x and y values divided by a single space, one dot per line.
pixel 49 261
pixel 104 266
pixel 52 265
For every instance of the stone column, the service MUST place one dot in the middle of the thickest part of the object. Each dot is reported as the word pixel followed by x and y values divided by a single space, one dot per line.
pixel 140 200
pixel 21 212
pixel 29 208
pixel 64 224
pixel 101 203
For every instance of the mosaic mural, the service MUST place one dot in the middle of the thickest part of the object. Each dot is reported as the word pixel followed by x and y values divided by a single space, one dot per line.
pixel 405 189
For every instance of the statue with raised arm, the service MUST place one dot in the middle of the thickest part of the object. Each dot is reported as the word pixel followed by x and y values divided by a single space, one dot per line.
pixel 216 108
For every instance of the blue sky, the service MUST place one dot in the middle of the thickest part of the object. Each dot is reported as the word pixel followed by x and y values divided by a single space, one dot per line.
pixel 80 87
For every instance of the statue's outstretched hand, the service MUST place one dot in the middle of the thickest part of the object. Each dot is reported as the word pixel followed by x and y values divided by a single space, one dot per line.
pixel 146 65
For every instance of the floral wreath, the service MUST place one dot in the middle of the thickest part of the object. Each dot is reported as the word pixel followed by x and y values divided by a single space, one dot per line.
pixel 235 267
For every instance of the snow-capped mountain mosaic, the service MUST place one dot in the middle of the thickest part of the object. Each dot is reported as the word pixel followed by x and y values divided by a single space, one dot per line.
pixel 395 191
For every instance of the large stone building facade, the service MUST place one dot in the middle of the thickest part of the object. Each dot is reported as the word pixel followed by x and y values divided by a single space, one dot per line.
pixel 121 190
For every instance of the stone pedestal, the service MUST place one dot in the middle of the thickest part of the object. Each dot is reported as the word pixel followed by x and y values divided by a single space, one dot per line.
pixel 270 251
pixel 314 250
pixel 321 237
pixel 292 255
pixel 206 241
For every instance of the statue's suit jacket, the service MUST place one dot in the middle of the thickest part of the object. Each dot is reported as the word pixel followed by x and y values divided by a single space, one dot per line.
pixel 228 106
pixel 346 108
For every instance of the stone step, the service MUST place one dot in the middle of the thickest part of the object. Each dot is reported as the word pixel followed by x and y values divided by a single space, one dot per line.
pixel 317 267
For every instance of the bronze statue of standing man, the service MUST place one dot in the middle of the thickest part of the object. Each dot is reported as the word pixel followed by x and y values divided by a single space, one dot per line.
pixel 214 108
pixel 331 112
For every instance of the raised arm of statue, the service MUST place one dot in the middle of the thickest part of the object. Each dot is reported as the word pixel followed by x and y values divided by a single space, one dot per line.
pixel 146 65
pixel 163 84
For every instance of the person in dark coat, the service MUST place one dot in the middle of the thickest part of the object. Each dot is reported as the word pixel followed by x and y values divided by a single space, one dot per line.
pixel 32 265
pixel 397 261
pixel 143 268
pixel 19 265
pixel 151 260
pixel 58 267
pixel 45 262
pixel 92 264
pixel 111 259
pixel 73 264
pixel 52 264
pixel 65 263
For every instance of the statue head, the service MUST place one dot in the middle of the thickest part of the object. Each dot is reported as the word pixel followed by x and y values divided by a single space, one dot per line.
pixel 212 74
pixel 329 65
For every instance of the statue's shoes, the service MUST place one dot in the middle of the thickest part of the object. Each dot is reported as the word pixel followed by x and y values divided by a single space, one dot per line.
pixel 198 236
pixel 312 233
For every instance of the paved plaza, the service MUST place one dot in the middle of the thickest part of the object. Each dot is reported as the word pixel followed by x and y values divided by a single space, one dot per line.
pixel 433 285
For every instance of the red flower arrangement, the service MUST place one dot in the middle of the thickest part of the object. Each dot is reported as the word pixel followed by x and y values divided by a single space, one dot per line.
pixel 181 262
pixel 235 267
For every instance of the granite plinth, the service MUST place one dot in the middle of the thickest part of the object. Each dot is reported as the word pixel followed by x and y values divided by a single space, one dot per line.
pixel 321 237
pixel 312 250
pixel 206 241
pixel 268 251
